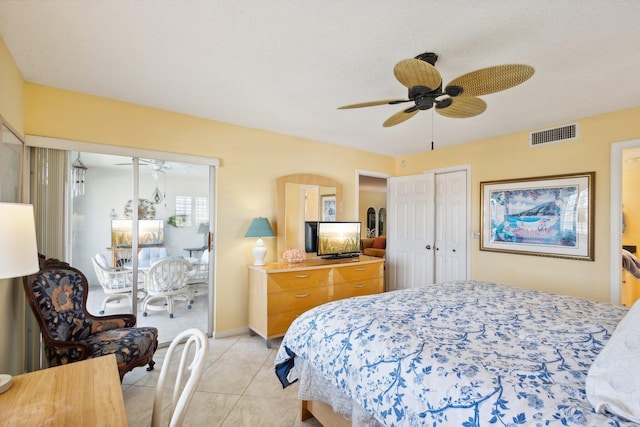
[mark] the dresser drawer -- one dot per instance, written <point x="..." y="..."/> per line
<point x="358" y="272"/>
<point x="357" y="288"/>
<point x="297" y="299"/>
<point x="300" y="279"/>
<point x="280" y="322"/>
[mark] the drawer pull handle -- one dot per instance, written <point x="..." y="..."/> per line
<point x="360" y="269"/>
<point x="301" y="276"/>
<point x="303" y="295"/>
<point x="360" y="286"/>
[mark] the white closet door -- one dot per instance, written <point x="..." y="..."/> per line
<point x="410" y="241"/>
<point x="450" y="226"/>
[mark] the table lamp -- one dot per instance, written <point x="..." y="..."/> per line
<point x="259" y="228"/>
<point x="204" y="230"/>
<point x="18" y="252"/>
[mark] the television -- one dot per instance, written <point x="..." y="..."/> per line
<point x="311" y="236"/>
<point x="338" y="240"/>
<point x="150" y="233"/>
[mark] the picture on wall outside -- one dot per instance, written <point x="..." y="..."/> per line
<point x="544" y="216"/>
<point x="329" y="207"/>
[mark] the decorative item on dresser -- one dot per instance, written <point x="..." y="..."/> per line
<point x="260" y="228"/>
<point x="280" y="292"/>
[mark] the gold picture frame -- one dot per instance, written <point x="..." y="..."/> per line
<point x="550" y="216"/>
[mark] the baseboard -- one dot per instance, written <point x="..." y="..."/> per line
<point x="231" y="332"/>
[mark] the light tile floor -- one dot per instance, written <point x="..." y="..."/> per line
<point x="168" y="328"/>
<point x="238" y="388"/>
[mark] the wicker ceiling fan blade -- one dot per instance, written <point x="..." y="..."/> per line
<point x="400" y="117"/>
<point x="373" y="103"/>
<point x="463" y="107"/>
<point x="491" y="79"/>
<point x="414" y="72"/>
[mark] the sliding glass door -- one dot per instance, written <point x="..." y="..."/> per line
<point x="131" y="214"/>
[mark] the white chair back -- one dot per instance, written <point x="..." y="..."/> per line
<point x="111" y="280"/>
<point x="168" y="276"/>
<point x="116" y="284"/>
<point x="196" y="347"/>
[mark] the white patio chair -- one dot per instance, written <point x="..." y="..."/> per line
<point x="116" y="284"/>
<point x="182" y="395"/>
<point x="166" y="283"/>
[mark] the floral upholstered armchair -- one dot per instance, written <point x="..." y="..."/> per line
<point x="57" y="295"/>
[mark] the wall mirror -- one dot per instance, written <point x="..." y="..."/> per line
<point x="382" y="217"/>
<point x="11" y="151"/>
<point x="371" y="222"/>
<point x="304" y="197"/>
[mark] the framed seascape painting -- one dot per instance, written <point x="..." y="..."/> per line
<point x="544" y="216"/>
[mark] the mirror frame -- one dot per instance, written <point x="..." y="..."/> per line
<point x="303" y="179"/>
<point x="12" y="174"/>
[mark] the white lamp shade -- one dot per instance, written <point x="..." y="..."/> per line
<point x="19" y="250"/>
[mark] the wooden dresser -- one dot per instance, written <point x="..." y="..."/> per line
<point x="280" y="292"/>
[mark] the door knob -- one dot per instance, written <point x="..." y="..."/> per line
<point x="428" y="246"/>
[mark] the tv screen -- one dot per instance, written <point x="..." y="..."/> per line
<point x="338" y="239"/>
<point x="150" y="233"/>
<point x="311" y="236"/>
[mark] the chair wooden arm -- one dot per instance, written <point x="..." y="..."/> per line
<point x="82" y="350"/>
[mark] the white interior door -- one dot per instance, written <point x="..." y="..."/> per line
<point x="451" y="226"/>
<point x="410" y="211"/>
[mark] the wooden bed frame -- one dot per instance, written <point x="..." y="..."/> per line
<point x="323" y="413"/>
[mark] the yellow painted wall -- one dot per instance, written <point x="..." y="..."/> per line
<point x="11" y="90"/>
<point x="508" y="157"/>
<point x="251" y="160"/>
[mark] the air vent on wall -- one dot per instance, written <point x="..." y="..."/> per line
<point x="553" y="135"/>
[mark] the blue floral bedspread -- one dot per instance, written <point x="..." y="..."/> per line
<point x="459" y="354"/>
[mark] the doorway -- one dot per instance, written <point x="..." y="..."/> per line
<point x="172" y="222"/>
<point x="625" y="208"/>
<point x="178" y="189"/>
<point x="371" y="206"/>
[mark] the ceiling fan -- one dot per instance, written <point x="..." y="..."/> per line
<point x="153" y="165"/>
<point x="459" y="99"/>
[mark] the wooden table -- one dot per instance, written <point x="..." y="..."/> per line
<point x="84" y="393"/>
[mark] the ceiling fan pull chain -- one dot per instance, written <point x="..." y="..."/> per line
<point x="432" y="143"/>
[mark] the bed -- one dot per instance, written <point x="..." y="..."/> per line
<point x="466" y="354"/>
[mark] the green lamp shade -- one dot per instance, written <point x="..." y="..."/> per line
<point x="260" y="227"/>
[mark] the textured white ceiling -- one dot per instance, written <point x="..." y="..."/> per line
<point x="285" y="66"/>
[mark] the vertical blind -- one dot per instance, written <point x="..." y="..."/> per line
<point x="49" y="168"/>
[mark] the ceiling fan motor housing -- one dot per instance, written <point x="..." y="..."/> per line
<point x="423" y="96"/>
<point x="429" y="57"/>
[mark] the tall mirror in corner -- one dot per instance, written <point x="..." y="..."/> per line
<point x="301" y="198"/>
<point x="11" y="154"/>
